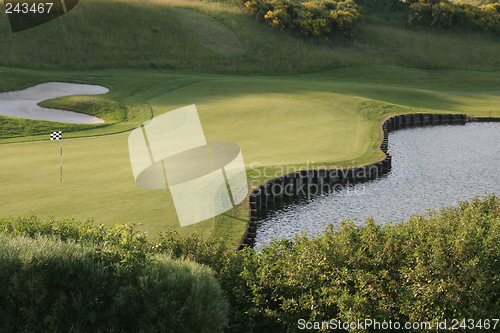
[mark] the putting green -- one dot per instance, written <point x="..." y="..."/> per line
<point x="275" y="121"/>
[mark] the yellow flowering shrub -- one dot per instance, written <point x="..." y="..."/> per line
<point x="443" y="13"/>
<point x="311" y="18"/>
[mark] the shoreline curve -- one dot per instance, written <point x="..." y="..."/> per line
<point x="316" y="181"/>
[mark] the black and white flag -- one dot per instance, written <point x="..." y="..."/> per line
<point x="56" y="135"/>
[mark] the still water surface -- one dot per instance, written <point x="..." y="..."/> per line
<point x="432" y="167"/>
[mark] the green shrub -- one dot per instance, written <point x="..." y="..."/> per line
<point x="173" y="296"/>
<point x="490" y="18"/>
<point x="122" y="240"/>
<point x="232" y="270"/>
<point x="52" y="285"/>
<point x="443" y="266"/>
<point x="281" y="14"/>
<point x="33" y="226"/>
<point x="452" y="262"/>
<point x="311" y="18"/>
<point x="326" y="18"/>
<point x="442" y="13"/>
<point x="62" y="286"/>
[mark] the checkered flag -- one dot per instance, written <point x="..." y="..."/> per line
<point x="56" y="135"/>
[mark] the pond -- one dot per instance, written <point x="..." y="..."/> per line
<point x="432" y="167"/>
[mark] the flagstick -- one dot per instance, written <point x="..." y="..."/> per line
<point x="61" y="160"/>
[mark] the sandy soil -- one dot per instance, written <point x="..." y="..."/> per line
<point x="23" y="103"/>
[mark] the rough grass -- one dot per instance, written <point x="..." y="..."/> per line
<point x="96" y="106"/>
<point x="209" y="31"/>
<point x="99" y="34"/>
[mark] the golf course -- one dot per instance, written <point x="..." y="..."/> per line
<point x="285" y="99"/>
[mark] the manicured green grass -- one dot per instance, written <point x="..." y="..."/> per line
<point x="320" y="102"/>
<point x="330" y="119"/>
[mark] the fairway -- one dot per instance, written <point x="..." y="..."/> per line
<point x="280" y="121"/>
<point x="208" y="166"/>
<point x="313" y="103"/>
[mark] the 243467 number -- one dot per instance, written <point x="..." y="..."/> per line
<point x="26" y="8"/>
<point x="471" y="324"/>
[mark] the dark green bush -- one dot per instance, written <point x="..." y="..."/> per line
<point x="443" y="13"/>
<point x="426" y="269"/>
<point x="52" y="285"/>
<point x="231" y="269"/>
<point x="48" y="285"/>
<point x="173" y="296"/>
<point x="443" y="266"/>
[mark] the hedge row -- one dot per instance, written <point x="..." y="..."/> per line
<point x="327" y="18"/>
<point x="311" y="18"/>
<point x="427" y="269"/>
<point x="47" y="285"/>
<point x="442" y="13"/>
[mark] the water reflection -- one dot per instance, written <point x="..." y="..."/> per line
<point x="432" y="167"/>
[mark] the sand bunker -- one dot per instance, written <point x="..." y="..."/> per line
<point x="23" y="103"/>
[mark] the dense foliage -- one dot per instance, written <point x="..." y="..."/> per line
<point x="311" y="18"/>
<point x="68" y="284"/>
<point x="327" y="18"/>
<point x="443" y="13"/>
<point x="427" y="269"/>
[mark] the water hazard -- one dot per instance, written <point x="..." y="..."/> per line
<point x="432" y="167"/>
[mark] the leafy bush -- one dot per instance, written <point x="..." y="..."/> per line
<point x="173" y="296"/>
<point x="51" y="285"/>
<point x="426" y="269"/>
<point x="231" y="269"/>
<point x="311" y="18"/>
<point x="442" y="13"/>
<point x="490" y="18"/>
<point x="123" y="241"/>
<point x="443" y="266"/>
<point x="56" y="286"/>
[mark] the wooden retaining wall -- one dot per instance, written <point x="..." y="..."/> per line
<point x="306" y="183"/>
